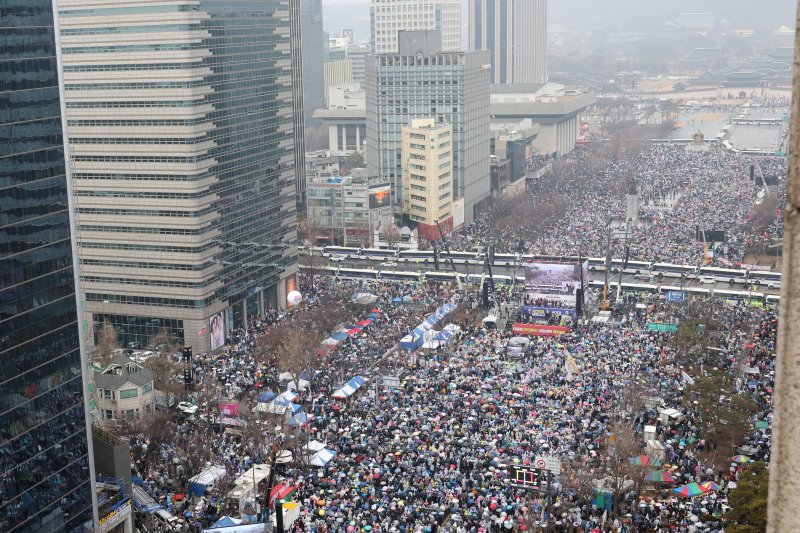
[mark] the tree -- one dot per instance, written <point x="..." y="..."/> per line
<point x="168" y="342"/>
<point x="390" y="234"/>
<point x="722" y="415"/>
<point x="354" y="160"/>
<point x="107" y="342"/>
<point x="165" y="373"/>
<point x="748" y="513"/>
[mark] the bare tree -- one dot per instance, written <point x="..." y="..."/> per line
<point x="165" y="374"/>
<point x="107" y="342"/>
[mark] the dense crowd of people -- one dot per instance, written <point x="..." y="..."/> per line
<point x="434" y="453"/>
<point x="680" y="192"/>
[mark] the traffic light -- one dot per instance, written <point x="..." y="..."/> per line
<point x="187" y="354"/>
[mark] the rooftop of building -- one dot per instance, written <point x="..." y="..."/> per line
<point x="122" y="370"/>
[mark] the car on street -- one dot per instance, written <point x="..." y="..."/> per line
<point x="388" y="264"/>
<point x="706" y="279"/>
<point x="187" y="408"/>
<point x="337" y="258"/>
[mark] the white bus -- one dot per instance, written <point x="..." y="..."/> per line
<point x="639" y="287"/>
<point x="724" y="275"/>
<point x="633" y="267"/>
<point x="343" y="251"/>
<point x="597" y="263"/>
<point x="668" y="270"/>
<point x="773" y="299"/>
<point x="739" y="296"/>
<point x="442" y="276"/>
<point x="506" y="259"/>
<point x="765" y="277"/>
<point x="399" y="276"/>
<point x="357" y="273"/>
<point x="378" y="254"/>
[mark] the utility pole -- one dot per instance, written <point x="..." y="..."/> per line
<point x="624" y="261"/>
<point x="604" y="305"/>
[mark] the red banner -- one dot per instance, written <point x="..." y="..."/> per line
<point x="539" y="330"/>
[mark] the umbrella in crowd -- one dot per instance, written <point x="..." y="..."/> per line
<point x="740" y="459"/>
<point x="639" y="460"/>
<point x="690" y="490"/>
<point x="660" y="476"/>
<point x="710" y="486"/>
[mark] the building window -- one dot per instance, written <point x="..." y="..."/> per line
<point x="128" y="393"/>
<point x="109" y="414"/>
<point x="148" y="387"/>
<point x="129" y="414"/>
<point x="108" y="394"/>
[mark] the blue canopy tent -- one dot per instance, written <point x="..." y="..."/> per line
<point x="339" y="335"/>
<point x="413" y="340"/>
<point x="299" y="419"/>
<point x="349" y="388"/>
<point x="267" y="396"/>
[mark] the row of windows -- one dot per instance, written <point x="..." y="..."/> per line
<point x="136" y="140"/>
<point x="418" y="208"/>
<point x="144" y="122"/>
<point x="143" y="212"/>
<point x="127" y="48"/>
<point x="149" y="282"/>
<point x="146" y="247"/>
<point x="416" y="187"/>
<point x="444" y="186"/>
<point x="446" y="164"/>
<point x="134" y="86"/>
<point x="134" y="66"/>
<point x="417" y="177"/>
<point x="151" y="28"/>
<point x="145" y="264"/>
<point x="444" y="154"/>
<point x="145" y="103"/>
<point x="418" y="198"/>
<point x="138" y="159"/>
<point x="116" y="11"/>
<point x="416" y="146"/>
<point x="444" y="196"/>
<point x="144" y="230"/>
<point x="146" y="194"/>
<point x="416" y="167"/>
<point x="140" y="177"/>
<point x="416" y="136"/>
<point x="444" y="175"/>
<point x="147" y="300"/>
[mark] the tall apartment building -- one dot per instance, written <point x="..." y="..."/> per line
<point x="312" y="51"/>
<point x="298" y="107"/>
<point x="387" y="17"/>
<point x="428" y="177"/>
<point x="45" y="456"/>
<point x="515" y="34"/>
<point x="357" y="54"/>
<point x="183" y="122"/>
<point x="421" y="81"/>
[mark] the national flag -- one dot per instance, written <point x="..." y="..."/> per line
<point x="281" y="492"/>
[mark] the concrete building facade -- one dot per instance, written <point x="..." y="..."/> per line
<point x="515" y="34"/>
<point x="428" y="177"/>
<point x="345" y="116"/>
<point x="387" y="17"/>
<point x="347" y="210"/>
<point x="336" y="72"/>
<point x="421" y="82"/>
<point x="124" y="390"/>
<point x="312" y="52"/>
<point x="185" y="121"/>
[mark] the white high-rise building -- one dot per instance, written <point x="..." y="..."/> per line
<point x="185" y="123"/>
<point x="515" y="34"/>
<point x="387" y="17"/>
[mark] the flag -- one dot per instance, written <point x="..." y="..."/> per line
<point x="687" y="378"/>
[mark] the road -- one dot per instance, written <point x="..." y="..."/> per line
<point x="519" y="270"/>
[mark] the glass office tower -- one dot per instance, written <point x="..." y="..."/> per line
<point x="46" y="480"/>
<point x="185" y="125"/>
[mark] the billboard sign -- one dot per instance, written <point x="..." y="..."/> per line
<point x="538" y="330"/>
<point x="556" y="284"/>
<point x="216" y="324"/>
<point x="379" y="196"/>
<point x="662" y="327"/>
<point x="546" y="312"/>
<point x="677" y="296"/>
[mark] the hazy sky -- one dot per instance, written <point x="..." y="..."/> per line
<point x="614" y="15"/>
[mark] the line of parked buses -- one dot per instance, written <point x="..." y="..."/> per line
<point x="657" y="277"/>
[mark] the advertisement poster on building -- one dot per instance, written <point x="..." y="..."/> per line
<point x="217" y="326"/>
<point x="379" y="196"/>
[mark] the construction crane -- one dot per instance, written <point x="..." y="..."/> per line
<point x="447" y="249"/>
